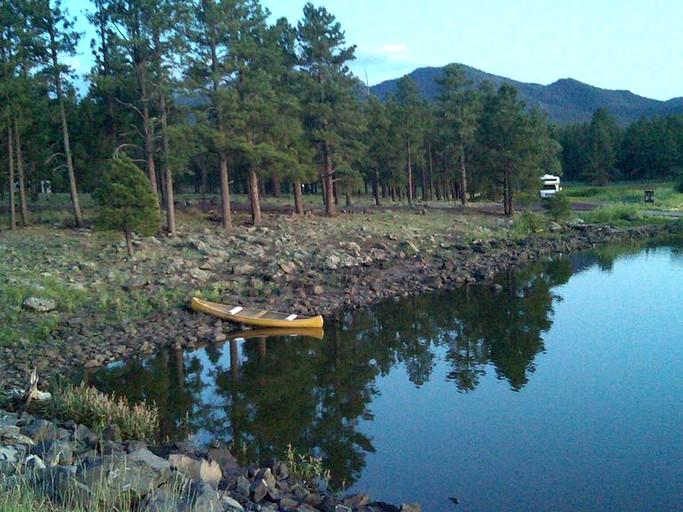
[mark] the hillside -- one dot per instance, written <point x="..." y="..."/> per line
<point x="566" y="101"/>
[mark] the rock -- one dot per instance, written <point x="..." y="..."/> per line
<point x="332" y="262"/>
<point x="288" y="503"/>
<point x="9" y="454"/>
<point x="184" y="465"/>
<point x="242" y="486"/>
<point x="161" y="500"/>
<point x="259" y="490"/>
<point x="200" y="275"/>
<point x="210" y="473"/>
<point x="39" y="430"/>
<point x="231" y="504"/>
<point x="353" y="248"/>
<point x="554" y="227"/>
<point x="287" y="267"/>
<point x="55" y="453"/>
<point x="411" y="507"/>
<point x="380" y="506"/>
<point x="34" y="463"/>
<point x="243" y="269"/>
<point x="207" y="500"/>
<point x="112" y="433"/>
<point x="148" y="458"/>
<point x="357" y="500"/>
<point x="9" y="431"/>
<point x="227" y="462"/>
<point x="39" y="304"/>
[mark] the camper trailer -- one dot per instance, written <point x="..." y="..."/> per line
<point x="550" y="187"/>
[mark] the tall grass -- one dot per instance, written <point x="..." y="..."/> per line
<point x="617" y="214"/>
<point x="98" y="410"/>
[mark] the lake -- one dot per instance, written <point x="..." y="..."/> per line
<point x="560" y="388"/>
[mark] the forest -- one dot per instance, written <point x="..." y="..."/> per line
<point x="214" y="97"/>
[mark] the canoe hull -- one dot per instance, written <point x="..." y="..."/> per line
<point x="255" y="317"/>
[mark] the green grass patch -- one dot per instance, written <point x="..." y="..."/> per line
<point x="623" y="192"/>
<point x="618" y="214"/>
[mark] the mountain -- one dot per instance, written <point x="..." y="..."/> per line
<point x="566" y="101"/>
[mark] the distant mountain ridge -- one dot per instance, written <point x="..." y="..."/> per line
<point x="566" y="101"/>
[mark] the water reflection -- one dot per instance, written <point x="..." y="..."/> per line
<point x="263" y="393"/>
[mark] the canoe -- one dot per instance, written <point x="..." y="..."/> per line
<point x="254" y="316"/>
<point x="308" y="332"/>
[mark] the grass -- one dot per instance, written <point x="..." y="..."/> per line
<point x="84" y="273"/>
<point x="31" y="491"/>
<point x="665" y="196"/>
<point x="98" y="410"/>
<point x="306" y="467"/>
<point x="617" y="214"/>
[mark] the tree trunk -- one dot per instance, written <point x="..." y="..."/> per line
<point x="410" y="172"/>
<point x="168" y="173"/>
<point x="12" y="199"/>
<point x="148" y="128"/>
<point x="165" y="141"/>
<point x="377" y="188"/>
<point x="328" y="184"/>
<point x="431" y="174"/>
<point x="225" y="192"/>
<point x="463" y="179"/>
<point x="23" y="207"/>
<point x="129" y="242"/>
<point x="424" y="183"/>
<point x="73" y="191"/>
<point x="277" y="192"/>
<point x="507" y="191"/>
<point x="298" y="198"/>
<point x="254" y="199"/>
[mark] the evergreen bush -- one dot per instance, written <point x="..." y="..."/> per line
<point x="558" y="206"/>
<point x="127" y="202"/>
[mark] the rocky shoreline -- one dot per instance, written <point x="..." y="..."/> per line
<point x="351" y="273"/>
<point x="70" y="464"/>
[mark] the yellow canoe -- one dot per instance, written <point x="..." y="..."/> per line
<point x="254" y="316"/>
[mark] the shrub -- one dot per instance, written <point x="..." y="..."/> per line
<point x="529" y="223"/>
<point x="96" y="410"/>
<point x="558" y="206"/>
<point x="306" y="467"/>
<point x="127" y="202"/>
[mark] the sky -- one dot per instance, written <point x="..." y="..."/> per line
<point x="630" y="45"/>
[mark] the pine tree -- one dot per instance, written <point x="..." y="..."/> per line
<point x="209" y="71"/>
<point x="603" y="139"/>
<point x="59" y="39"/>
<point x="507" y="143"/>
<point x="127" y="202"/>
<point x="408" y="110"/>
<point x="329" y="92"/>
<point x="458" y="112"/>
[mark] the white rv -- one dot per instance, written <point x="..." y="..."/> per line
<point x="551" y="186"/>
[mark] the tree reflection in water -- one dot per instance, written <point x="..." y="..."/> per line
<point x="262" y="394"/>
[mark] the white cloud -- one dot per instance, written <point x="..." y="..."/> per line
<point x="394" y="48"/>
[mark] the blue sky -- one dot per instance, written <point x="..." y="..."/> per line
<point x="612" y="44"/>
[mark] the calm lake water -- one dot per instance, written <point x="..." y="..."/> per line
<point x="563" y="391"/>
